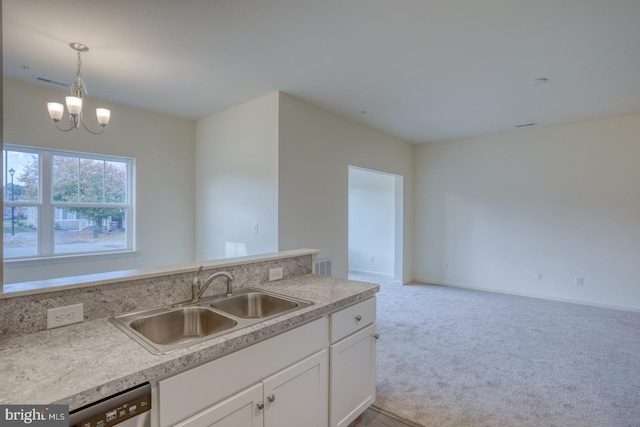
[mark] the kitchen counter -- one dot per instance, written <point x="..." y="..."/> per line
<point x="85" y="362"/>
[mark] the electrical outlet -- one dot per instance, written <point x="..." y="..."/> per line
<point x="61" y="316"/>
<point x="538" y="276"/>
<point x="579" y="281"/>
<point x="276" y="274"/>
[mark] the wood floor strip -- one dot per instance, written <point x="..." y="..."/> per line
<point x="374" y="417"/>
<point x="395" y="417"/>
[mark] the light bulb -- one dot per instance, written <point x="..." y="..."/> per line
<point x="103" y="116"/>
<point x="74" y="105"/>
<point x="55" y="111"/>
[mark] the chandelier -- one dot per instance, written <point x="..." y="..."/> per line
<point x="74" y="102"/>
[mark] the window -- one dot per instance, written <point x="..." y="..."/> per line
<point x="61" y="203"/>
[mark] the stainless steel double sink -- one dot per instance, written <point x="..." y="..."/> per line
<point x="165" y="329"/>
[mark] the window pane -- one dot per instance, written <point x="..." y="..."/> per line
<point x="23" y="183"/>
<point x="20" y="233"/>
<point x="115" y="182"/>
<point x="65" y="179"/>
<point x="89" y="229"/>
<point x="91" y="180"/>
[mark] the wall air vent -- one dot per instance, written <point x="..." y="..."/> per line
<point x="323" y="267"/>
<point x="526" y="125"/>
<point x="50" y="81"/>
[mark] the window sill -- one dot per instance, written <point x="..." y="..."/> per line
<point x="13" y="268"/>
<point x="62" y="259"/>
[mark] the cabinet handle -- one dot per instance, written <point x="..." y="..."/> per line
<point x="271" y="398"/>
<point x="260" y="405"/>
<point x="358" y="318"/>
<point x="376" y="336"/>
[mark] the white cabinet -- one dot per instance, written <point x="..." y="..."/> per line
<point x="291" y="398"/>
<point x="293" y="363"/>
<point x="297" y="396"/>
<point x="353" y="362"/>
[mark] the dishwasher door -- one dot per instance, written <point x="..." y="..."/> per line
<point x="130" y="408"/>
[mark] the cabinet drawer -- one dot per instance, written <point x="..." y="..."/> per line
<point x="352" y="319"/>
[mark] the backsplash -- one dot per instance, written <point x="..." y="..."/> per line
<point x="28" y="313"/>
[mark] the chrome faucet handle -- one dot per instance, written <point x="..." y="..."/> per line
<point x="195" y="284"/>
<point x="195" y="289"/>
<point x="196" y="278"/>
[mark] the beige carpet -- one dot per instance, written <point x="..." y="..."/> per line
<point x="453" y="357"/>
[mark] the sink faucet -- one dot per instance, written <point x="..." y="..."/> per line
<point x="197" y="291"/>
<point x="213" y="277"/>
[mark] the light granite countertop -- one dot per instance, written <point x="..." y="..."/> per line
<point x="85" y="362"/>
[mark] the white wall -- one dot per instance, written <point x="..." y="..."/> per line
<point x="1" y="128"/>
<point x="237" y="181"/>
<point x="316" y="149"/>
<point x="371" y="221"/>
<point x="492" y="212"/>
<point x="164" y="149"/>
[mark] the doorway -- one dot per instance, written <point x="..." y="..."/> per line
<point x="375" y="225"/>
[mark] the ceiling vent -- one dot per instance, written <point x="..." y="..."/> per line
<point x="525" y="125"/>
<point x="50" y="81"/>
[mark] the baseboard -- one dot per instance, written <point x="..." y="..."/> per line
<point x="523" y="294"/>
<point x="376" y="273"/>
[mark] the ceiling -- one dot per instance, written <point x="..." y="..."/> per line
<point x="422" y="70"/>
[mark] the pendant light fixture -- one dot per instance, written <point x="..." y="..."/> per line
<point x="74" y="102"/>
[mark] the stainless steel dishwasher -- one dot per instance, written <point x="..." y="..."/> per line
<point x="129" y="408"/>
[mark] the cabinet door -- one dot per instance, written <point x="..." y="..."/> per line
<point x="240" y="410"/>
<point x="297" y="396"/>
<point x="353" y="376"/>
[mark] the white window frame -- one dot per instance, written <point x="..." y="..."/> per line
<point x="46" y="206"/>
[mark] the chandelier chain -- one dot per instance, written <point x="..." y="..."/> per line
<point x="78" y="87"/>
<point x="79" y="66"/>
